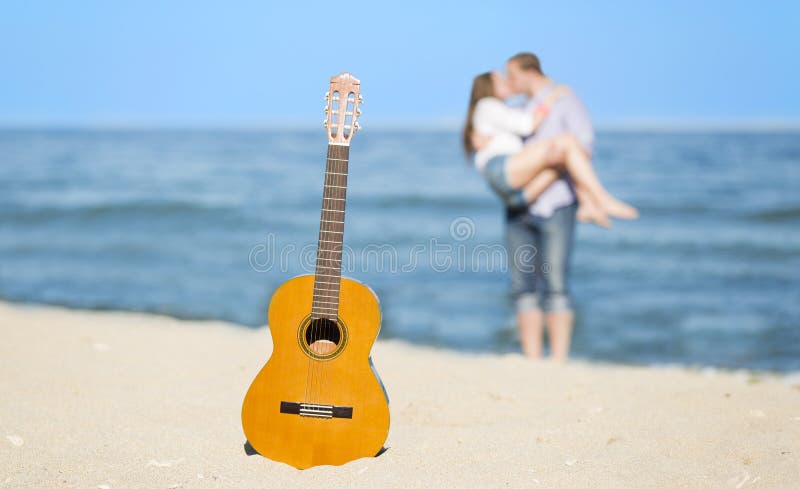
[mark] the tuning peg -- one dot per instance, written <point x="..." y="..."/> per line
<point x="327" y="96"/>
<point x="358" y="112"/>
<point x="360" y="99"/>
<point x="356" y="126"/>
<point x="325" y="123"/>
<point x="327" y="109"/>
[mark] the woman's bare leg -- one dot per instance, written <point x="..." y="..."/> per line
<point x="539" y="184"/>
<point x="522" y="167"/>
<point x="588" y="211"/>
<point x="580" y="169"/>
<point x="536" y="156"/>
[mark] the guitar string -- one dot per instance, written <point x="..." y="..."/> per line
<point x="340" y="190"/>
<point x="343" y="161"/>
<point x="323" y="252"/>
<point x="316" y="314"/>
<point x="335" y="262"/>
<point x="335" y="225"/>
<point x="326" y="255"/>
<point x="321" y="256"/>
<point x="316" y="372"/>
<point x="309" y="336"/>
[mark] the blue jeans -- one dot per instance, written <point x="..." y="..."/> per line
<point x="539" y="250"/>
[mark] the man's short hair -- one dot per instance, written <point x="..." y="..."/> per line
<point x="528" y="62"/>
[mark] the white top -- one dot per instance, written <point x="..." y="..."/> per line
<point x="506" y="125"/>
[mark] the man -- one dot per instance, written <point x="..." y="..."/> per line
<point x="539" y="282"/>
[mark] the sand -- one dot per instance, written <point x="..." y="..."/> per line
<point x="117" y="400"/>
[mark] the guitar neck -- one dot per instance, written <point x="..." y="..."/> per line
<point x="331" y="231"/>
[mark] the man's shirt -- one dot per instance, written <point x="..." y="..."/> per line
<point x="567" y="115"/>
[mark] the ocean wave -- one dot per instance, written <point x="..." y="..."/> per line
<point x="787" y="214"/>
<point x="429" y="202"/>
<point x="122" y="210"/>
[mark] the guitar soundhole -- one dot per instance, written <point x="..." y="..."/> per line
<point x="322" y="338"/>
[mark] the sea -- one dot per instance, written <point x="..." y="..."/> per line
<point x="207" y="223"/>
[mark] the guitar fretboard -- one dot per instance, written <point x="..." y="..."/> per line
<point x="331" y="230"/>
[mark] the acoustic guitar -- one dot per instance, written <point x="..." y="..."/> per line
<point x="318" y="400"/>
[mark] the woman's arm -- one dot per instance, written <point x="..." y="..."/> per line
<point x="492" y="112"/>
<point x="495" y="113"/>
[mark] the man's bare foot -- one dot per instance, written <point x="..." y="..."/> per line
<point x="591" y="214"/>
<point x="619" y="209"/>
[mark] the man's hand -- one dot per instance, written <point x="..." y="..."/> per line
<point x="479" y="141"/>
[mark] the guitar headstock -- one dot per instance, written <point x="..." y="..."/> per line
<point x="343" y="108"/>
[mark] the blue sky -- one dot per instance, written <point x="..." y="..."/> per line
<point x="264" y="62"/>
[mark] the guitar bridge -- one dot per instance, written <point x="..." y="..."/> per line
<point x="316" y="410"/>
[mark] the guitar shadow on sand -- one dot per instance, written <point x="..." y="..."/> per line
<point x="249" y="450"/>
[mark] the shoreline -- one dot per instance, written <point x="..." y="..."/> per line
<point x="791" y="376"/>
<point x="121" y="399"/>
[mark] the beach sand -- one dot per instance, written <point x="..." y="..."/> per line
<point x="112" y="400"/>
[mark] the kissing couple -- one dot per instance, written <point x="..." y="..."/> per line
<point x="538" y="160"/>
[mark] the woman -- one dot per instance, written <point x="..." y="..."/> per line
<point x="520" y="173"/>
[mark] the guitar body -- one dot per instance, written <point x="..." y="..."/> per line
<point x="317" y="369"/>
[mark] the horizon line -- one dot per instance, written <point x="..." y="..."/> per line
<point x="442" y="124"/>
